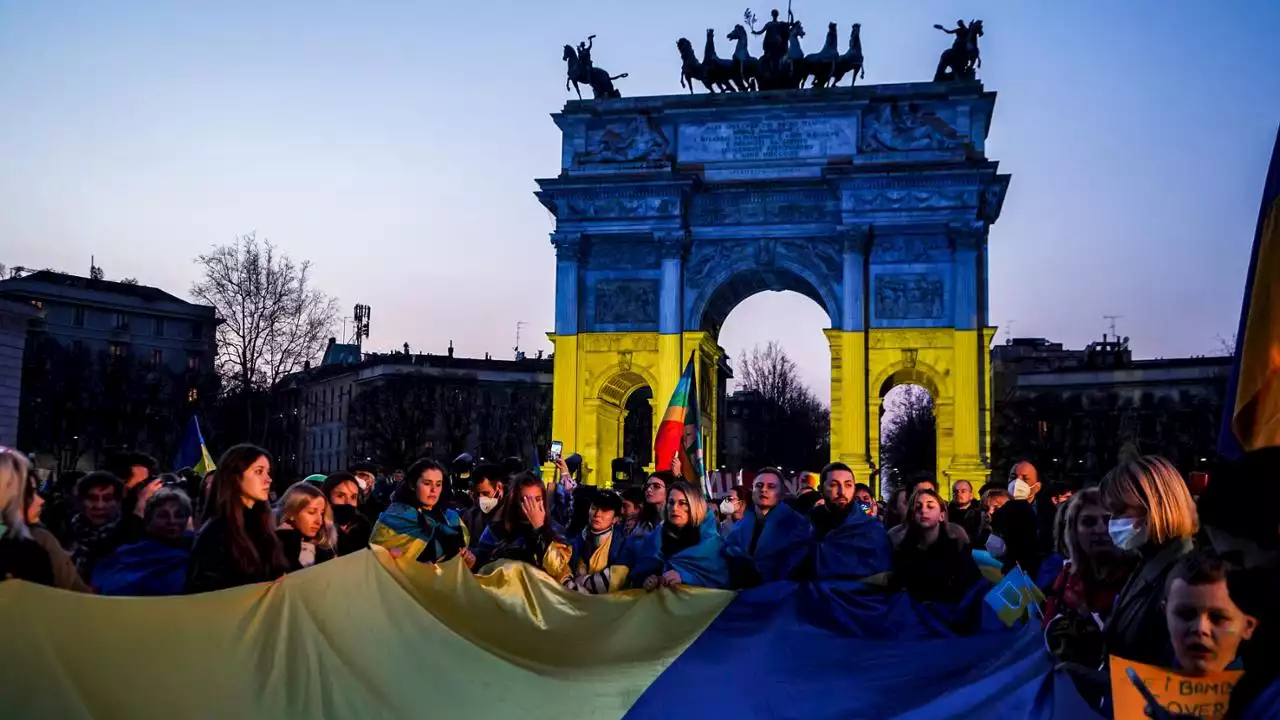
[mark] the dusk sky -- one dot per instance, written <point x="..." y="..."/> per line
<point x="395" y="144"/>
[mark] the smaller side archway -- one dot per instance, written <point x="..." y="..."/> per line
<point x="910" y="372"/>
<point x="622" y="407"/>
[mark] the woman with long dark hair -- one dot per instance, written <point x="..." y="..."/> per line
<point x="526" y="533"/>
<point x="933" y="563"/>
<point x="418" y="521"/>
<point x="238" y="543"/>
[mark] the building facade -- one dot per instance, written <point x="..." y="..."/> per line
<point x="14" y="320"/>
<point x="109" y="364"/>
<point x="393" y="408"/>
<point x="1076" y="413"/>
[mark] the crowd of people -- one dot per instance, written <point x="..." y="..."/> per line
<point x="1133" y="566"/>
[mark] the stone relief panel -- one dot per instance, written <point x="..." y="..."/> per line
<point x="626" y="302"/>
<point x="764" y="207"/>
<point x="618" y="343"/>
<point x="767" y="139"/>
<point x="620" y="206"/>
<point x="622" y="255"/>
<point x="631" y="140"/>
<point x="912" y="199"/>
<point x="906" y="127"/>
<point x="810" y="266"/>
<point x="911" y="249"/>
<point x="910" y="296"/>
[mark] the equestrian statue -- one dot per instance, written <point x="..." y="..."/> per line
<point x="962" y="59"/>
<point x="581" y="70"/>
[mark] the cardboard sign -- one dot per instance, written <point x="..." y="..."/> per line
<point x="1204" y="697"/>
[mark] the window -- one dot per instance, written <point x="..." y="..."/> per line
<point x="193" y="362"/>
<point x="76" y="346"/>
<point x="121" y="321"/>
<point x="197" y="331"/>
<point x="193" y="395"/>
<point x="157" y="327"/>
<point x="78" y="320"/>
<point x="157" y="359"/>
<point x="115" y="350"/>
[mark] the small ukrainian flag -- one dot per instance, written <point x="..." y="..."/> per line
<point x="1014" y="596"/>
<point x="192" y="452"/>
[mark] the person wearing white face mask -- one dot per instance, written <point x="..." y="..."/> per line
<point x="488" y="491"/>
<point x="1015" y="527"/>
<point x="732" y="507"/>
<point x="1152" y="513"/>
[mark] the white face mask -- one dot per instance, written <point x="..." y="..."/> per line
<point x="1019" y="489"/>
<point x="726" y="507"/>
<point x="487" y="504"/>
<point x="1126" y="533"/>
<point x="995" y="546"/>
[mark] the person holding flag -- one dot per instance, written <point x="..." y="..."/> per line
<point x="677" y="448"/>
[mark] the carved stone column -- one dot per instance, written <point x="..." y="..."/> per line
<point x="969" y="363"/>
<point x="856" y="244"/>
<point x="849" y="438"/>
<point x="568" y="253"/>
<point x="567" y="400"/>
<point x="673" y="245"/>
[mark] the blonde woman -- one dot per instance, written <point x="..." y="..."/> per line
<point x="21" y="558"/>
<point x="1153" y="515"/>
<point x="304" y="524"/>
<point x="686" y="549"/>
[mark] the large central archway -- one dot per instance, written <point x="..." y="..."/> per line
<point x="875" y="202"/>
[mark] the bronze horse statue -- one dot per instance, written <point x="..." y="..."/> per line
<point x="746" y="68"/>
<point x="692" y="69"/>
<point x="822" y="64"/>
<point x="718" y="70"/>
<point x="600" y="81"/>
<point x="851" y="62"/>
<point x="961" y="60"/>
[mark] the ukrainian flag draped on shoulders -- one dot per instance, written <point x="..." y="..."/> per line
<point x="1251" y="420"/>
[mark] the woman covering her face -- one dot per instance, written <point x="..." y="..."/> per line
<point x="526" y="533"/>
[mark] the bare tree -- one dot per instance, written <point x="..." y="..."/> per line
<point x="272" y="319"/>
<point x="908" y="434"/>
<point x="792" y="427"/>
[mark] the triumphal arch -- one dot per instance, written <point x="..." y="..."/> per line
<point x="873" y="201"/>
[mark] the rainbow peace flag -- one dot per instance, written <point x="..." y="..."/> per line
<point x="678" y="433"/>
<point x="1251" y="418"/>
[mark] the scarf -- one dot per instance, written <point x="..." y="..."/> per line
<point x="440" y="531"/>
<point x="87" y="541"/>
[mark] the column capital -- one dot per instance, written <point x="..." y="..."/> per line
<point x="673" y="244"/>
<point x="968" y="236"/>
<point x="568" y="245"/>
<point x="855" y="238"/>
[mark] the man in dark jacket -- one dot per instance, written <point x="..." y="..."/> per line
<point x="964" y="510"/>
<point x="1016" y="523"/>
<point x="488" y="490"/>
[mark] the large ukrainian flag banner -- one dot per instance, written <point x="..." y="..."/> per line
<point x="369" y="636"/>
<point x="1252" y="417"/>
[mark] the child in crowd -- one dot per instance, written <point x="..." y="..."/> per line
<point x="1205" y="625"/>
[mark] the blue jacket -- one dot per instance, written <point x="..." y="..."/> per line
<point x="784" y="543"/>
<point x="702" y="564"/>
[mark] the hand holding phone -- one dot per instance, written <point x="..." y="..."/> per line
<point x="557" y="449"/>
